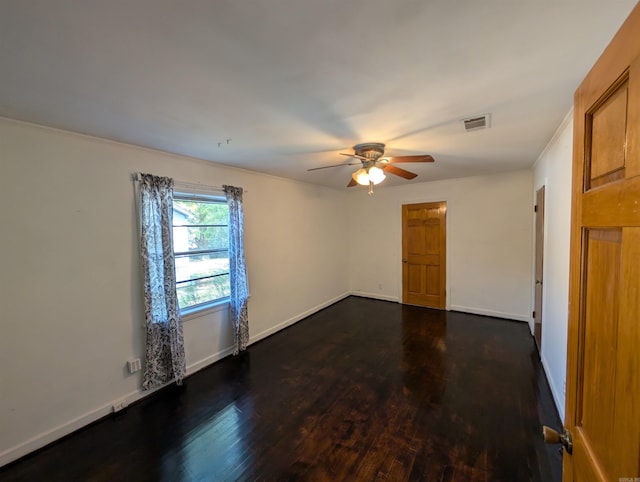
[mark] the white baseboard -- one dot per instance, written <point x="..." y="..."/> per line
<point x="49" y="436"/>
<point x="66" y="428"/>
<point x="375" y="296"/>
<point x="496" y="314"/>
<point x="554" y="390"/>
<point x="60" y="431"/>
<point x="295" y="319"/>
<point x="465" y="309"/>
<point x="205" y="362"/>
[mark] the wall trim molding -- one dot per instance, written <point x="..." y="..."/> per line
<point x="554" y="390"/>
<point x="364" y="294"/>
<point x="495" y="314"/>
<point x="138" y="147"/>
<point x="294" y="319"/>
<point x="464" y="309"/>
<point x="567" y="118"/>
<point x="45" y="438"/>
<point x="50" y="436"/>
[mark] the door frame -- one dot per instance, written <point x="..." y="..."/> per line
<point x="539" y="249"/>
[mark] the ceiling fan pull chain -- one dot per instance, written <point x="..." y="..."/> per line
<point x="370" y="188"/>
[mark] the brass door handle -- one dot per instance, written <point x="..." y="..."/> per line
<point x="552" y="437"/>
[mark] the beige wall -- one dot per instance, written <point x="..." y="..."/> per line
<point x="489" y="244"/>
<point x="70" y="282"/>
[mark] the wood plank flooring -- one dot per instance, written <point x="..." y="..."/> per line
<point x="364" y="390"/>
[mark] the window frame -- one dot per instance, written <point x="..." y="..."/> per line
<point x="217" y="304"/>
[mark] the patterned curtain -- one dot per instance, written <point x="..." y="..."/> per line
<point x="165" y="360"/>
<point x="237" y="270"/>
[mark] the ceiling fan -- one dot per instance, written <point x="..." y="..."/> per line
<point x="375" y="164"/>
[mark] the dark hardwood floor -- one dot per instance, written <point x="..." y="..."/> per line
<point x="363" y="390"/>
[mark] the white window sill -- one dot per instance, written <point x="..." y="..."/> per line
<point x="200" y="311"/>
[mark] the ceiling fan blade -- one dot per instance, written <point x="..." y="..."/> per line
<point x="352" y="183"/>
<point x="399" y="172"/>
<point x="354" y="155"/>
<point x="420" y="158"/>
<point x="334" y="165"/>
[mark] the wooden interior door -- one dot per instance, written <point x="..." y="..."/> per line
<point x="424" y="254"/>
<point x="537" y="306"/>
<point x="603" y="358"/>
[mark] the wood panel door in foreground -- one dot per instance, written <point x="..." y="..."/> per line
<point x="424" y="254"/>
<point x="603" y="357"/>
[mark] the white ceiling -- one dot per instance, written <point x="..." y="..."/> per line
<point x="292" y="83"/>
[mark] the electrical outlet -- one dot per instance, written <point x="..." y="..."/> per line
<point x="121" y="405"/>
<point x="134" y="365"/>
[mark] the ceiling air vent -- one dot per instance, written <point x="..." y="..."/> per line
<point x="477" y="123"/>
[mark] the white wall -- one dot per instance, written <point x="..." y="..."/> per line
<point x="553" y="170"/>
<point x="489" y="241"/>
<point x="70" y="282"/>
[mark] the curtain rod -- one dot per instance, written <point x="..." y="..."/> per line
<point x="191" y="185"/>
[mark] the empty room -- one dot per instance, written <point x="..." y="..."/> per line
<point x="320" y="241"/>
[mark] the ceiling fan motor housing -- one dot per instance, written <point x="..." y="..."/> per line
<point x="370" y="150"/>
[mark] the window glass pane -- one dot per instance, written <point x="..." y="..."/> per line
<point x="198" y="238"/>
<point x="200" y="212"/>
<point x="200" y="265"/>
<point x="192" y="293"/>
<point x="201" y="225"/>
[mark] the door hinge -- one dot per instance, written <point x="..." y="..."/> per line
<point x="535" y="208"/>
<point x="533" y="314"/>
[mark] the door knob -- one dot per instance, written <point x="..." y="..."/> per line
<point x="405" y="261"/>
<point x="552" y="437"/>
<point x="538" y="282"/>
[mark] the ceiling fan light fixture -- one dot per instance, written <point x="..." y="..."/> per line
<point x="376" y="175"/>
<point x="361" y="176"/>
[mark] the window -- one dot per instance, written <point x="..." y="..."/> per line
<point x="201" y="247"/>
